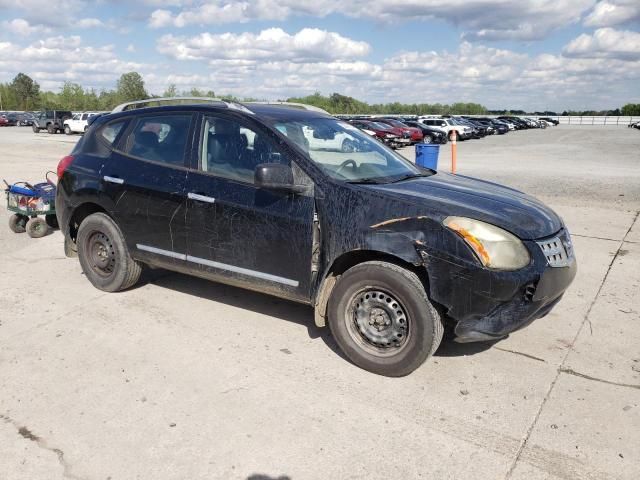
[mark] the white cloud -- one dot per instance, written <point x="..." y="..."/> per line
<point x="480" y="19"/>
<point x="20" y="26"/>
<point x="89" y="23"/>
<point x="54" y="60"/>
<point x="273" y="44"/>
<point x="491" y="76"/>
<point x="606" y="43"/>
<point x="610" y="13"/>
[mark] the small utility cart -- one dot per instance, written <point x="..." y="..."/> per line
<point x="27" y="202"/>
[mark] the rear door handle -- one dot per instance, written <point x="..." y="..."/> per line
<point x="117" y="180"/>
<point x="200" y="198"/>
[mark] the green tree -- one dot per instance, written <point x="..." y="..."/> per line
<point x="171" y="91"/>
<point x="631" y="110"/>
<point x="26" y="90"/>
<point x="131" y="87"/>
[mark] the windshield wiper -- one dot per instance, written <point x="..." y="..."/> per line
<point x="408" y="176"/>
<point x="370" y="180"/>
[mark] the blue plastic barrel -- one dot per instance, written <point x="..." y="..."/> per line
<point x="427" y="155"/>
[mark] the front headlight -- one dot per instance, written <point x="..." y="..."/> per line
<point x="495" y="248"/>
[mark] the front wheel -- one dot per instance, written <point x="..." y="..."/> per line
<point x="427" y="139"/>
<point x="104" y="256"/>
<point x="36" y="227"/>
<point x="67" y="130"/>
<point x="382" y="319"/>
<point x="35" y="129"/>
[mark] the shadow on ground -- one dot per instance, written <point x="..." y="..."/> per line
<point x="278" y="308"/>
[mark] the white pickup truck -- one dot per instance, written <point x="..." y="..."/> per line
<point x="77" y="123"/>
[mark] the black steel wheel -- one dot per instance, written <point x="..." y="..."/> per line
<point x="378" y="322"/>
<point x="382" y="319"/>
<point x="104" y="256"/>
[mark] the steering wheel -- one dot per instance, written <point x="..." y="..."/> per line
<point x="345" y="163"/>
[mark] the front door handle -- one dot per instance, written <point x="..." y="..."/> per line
<point x="201" y="198"/>
<point x="109" y="179"/>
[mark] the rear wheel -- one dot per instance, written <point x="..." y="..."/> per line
<point x="52" y="221"/>
<point x="17" y="223"/>
<point x="381" y="318"/>
<point x="36" y="227"/>
<point x="51" y="129"/>
<point x="104" y="256"/>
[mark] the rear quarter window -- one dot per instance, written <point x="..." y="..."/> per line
<point x="101" y="141"/>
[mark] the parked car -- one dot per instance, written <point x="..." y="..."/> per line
<point x="26" y="119"/>
<point x="12" y="119"/>
<point x="429" y="134"/>
<point x="78" y="123"/>
<point x="463" y="132"/>
<point x="385" y="133"/>
<point x="415" y="134"/>
<point x="550" y="120"/>
<point x="51" y="120"/>
<point x="386" y="252"/>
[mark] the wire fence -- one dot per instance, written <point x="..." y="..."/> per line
<point x="592" y="120"/>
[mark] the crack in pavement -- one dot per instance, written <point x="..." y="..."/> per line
<point x="29" y="435"/>
<point x="520" y="353"/>
<point x="527" y="435"/>
<point x="570" y="371"/>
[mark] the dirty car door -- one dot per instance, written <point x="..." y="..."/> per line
<point x="145" y="179"/>
<point x="241" y="234"/>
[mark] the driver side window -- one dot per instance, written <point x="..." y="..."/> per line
<point x="231" y="150"/>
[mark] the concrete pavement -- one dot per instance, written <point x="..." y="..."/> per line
<point x="181" y="378"/>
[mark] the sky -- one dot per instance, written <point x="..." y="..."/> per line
<point x="532" y="54"/>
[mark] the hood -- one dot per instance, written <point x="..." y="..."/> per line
<point x="446" y="194"/>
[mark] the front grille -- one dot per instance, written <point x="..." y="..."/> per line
<point x="557" y="250"/>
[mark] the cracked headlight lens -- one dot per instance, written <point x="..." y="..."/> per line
<point x="495" y="248"/>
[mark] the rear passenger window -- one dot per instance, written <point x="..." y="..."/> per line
<point x="160" y="139"/>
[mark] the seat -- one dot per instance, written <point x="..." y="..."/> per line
<point x="145" y="145"/>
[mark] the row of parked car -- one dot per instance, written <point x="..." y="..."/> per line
<point x="400" y="132"/>
<point x="53" y="121"/>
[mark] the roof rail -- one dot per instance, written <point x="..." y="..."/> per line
<point x="184" y="100"/>
<point x="303" y="106"/>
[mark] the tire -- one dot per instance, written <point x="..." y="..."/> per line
<point x="17" y="223"/>
<point x="347" y="146"/>
<point x="104" y="256"/>
<point x="37" y="227"/>
<point x="67" y="130"/>
<point x="51" y="129"/>
<point x="427" y="139"/>
<point x="52" y="221"/>
<point x="35" y="129"/>
<point x="406" y="328"/>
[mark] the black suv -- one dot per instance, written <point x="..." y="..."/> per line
<point x="51" y="120"/>
<point x="261" y="196"/>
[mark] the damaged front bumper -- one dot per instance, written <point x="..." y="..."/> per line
<point x="488" y="305"/>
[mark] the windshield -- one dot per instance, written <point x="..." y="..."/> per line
<point x="346" y="153"/>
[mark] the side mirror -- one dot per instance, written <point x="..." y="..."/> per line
<point x="275" y="176"/>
